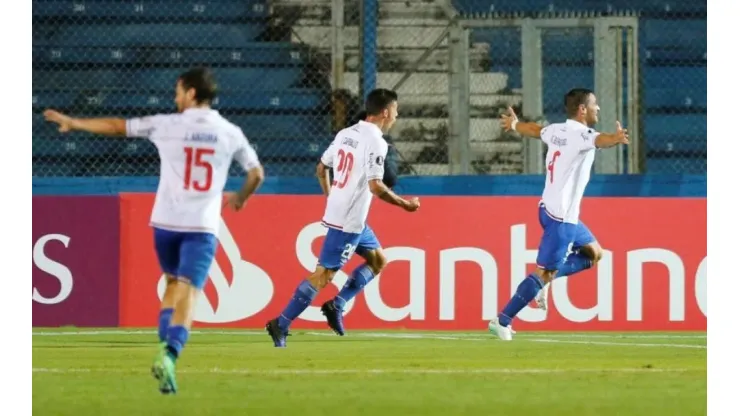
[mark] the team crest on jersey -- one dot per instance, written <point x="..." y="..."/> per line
<point x="379" y="160"/>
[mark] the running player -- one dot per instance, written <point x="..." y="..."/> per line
<point x="356" y="156"/>
<point x="196" y="148"/>
<point x="567" y="245"/>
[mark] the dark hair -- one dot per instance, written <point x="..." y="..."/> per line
<point x="361" y="116"/>
<point x="575" y="98"/>
<point x="378" y="100"/>
<point x="202" y="81"/>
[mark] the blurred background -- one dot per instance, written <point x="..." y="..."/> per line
<point x="293" y="72"/>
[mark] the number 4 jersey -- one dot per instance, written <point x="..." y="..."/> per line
<point x="356" y="156"/>
<point x="195" y="148"/>
<point x="570" y="155"/>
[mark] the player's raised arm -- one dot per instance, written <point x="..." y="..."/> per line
<point x="605" y="140"/>
<point x="104" y="126"/>
<point x="509" y="121"/>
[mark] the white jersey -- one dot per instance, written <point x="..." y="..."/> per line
<point x="570" y="155"/>
<point x="356" y="155"/>
<point x="196" y="148"/>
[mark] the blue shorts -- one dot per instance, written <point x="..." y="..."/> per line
<point x="558" y="239"/>
<point x="185" y="255"/>
<point x="339" y="246"/>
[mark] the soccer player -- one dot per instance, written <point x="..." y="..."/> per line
<point x="196" y="148"/>
<point x="567" y="245"/>
<point x="356" y="156"/>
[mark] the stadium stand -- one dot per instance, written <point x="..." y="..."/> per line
<point x="111" y="57"/>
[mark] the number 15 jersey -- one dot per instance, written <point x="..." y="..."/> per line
<point x="196" y="148"/>
<point x="356" y="156"/>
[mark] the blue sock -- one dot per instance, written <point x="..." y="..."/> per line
<point x="177" y="336"/>
<point x="302" y="297"/>
<point x="575" y="263"/>
<point x="361" y="276"/>
<point x="525" y="292"/>
<point x="164" y="322"/>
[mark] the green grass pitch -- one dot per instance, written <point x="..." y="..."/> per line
<point x="106" y="372"/>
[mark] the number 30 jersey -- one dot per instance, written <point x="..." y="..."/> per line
<point x="570" y="156"/>
<point x="356" y="156"/>
<point x="196" y="148"/>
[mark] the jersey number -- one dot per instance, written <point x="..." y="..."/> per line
<point x="551" y="165"/>
<point x="346" y="161"/>
<point x="194" y="157"/>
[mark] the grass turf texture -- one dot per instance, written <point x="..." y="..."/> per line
<point x="88" y="372"/>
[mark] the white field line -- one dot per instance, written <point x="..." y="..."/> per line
<point x="528" y="339"/>
<point x="564" y="338"/>
<point x="422" y="335"/>
<point x="378" y="371"/>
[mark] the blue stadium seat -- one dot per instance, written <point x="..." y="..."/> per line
<point x="280" y="100"/>
<point x="686" y="77"/>
<point x="148" y="35"/>
<point x="559" y="45"/>
<point x="119" y="168"/>
<point x="651" y="6"/>
<point x="675" y="55"/>
<point x="203" y="9"/>
<point x="663" y="6"/>
<point x="254" y="126"/>
<point x="53" y="168"/>
<point x="567" y="45"/>
<point x="672" y="165"/>
<point x="53" y="99"/>
<point x="671" y="42"/>
<point x="229" y="79"/>
<point x="275" y="149"/>
<point x="677" y="97"/>
<point x="70" y="146"/>
<point x="290" y="168"/>
<point x="282" y="126"/>
<point x="132" y="147"/>
<point x="685" y="133"/>
<point x="529" y="6"/>
<point x="689" y="34"/>
<point x="489" y="6"/>
<point x="268" y="100"/>
<point x="252" y="53"/>
<point x="310" y="148"/>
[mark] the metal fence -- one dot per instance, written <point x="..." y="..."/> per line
<point x="291" y="73"/>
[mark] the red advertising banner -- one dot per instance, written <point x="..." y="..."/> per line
<point x="75" y="260"/>
<point x="452" y="265"/>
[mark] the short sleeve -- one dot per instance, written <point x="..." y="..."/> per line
<point x="144" y="127"/>
<point x="375" y="164"/>
<point x="245" y="154"/>
<point x="327" y="158"/>
<point x="588" y="139"/>
<point x="545" y="133"/>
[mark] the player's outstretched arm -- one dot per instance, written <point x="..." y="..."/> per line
<point x="379" y="189"/>
<point x="509" y="121"/>
<point x="605" y="140"/>
<point x="322" y="174"/>
<point x="105" y="126"/>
